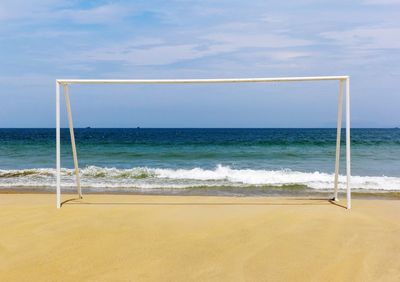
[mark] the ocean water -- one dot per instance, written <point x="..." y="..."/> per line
<point x="224" y="161"/>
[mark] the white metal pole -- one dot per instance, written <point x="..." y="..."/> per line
<point x="338" y="133"/>
<point x="348" y="160"/>
<point x="58" y="151"/>
<point x="71" y="132"/>
<point x="206" y="80"/>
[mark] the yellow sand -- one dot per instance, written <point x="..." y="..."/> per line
<point x="165" y="238"/>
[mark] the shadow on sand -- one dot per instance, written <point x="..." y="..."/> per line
<point x="289" y="202"/>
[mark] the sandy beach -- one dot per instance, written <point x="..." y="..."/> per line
<point x="172" y="238"/>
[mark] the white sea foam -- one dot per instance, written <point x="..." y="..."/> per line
<point x="149" y="178"/>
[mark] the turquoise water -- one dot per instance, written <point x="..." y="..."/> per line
<point x="132" y="159"/>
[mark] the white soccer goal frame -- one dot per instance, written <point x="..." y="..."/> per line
<point x="344" y="81"/>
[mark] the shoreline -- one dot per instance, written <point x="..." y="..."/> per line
<point x="215" y="192"/>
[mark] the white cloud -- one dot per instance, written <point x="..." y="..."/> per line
<point x="382" y="2"/>
<point x="156" y="52"/>
<point x="276" y="59"/>
<point x="28" y="9"/>
<point x="288" y="55"/>
<point x="370" y="38"/>
<point x="232" y="37"/>
<point x="149" y="54"/>
<point x="159" y="55"/>
<point x="53" y="10"/>
<point x="239" y="40"/>
<point x="98" y="15"/>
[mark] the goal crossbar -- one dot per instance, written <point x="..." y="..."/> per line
<point x="344" y="87"/>
<point x="207" y="80"/>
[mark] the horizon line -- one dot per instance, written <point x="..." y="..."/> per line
<point x="139" y="127"/>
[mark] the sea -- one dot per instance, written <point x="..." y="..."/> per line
<point x="201" y="161"/>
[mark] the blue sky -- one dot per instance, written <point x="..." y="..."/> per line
<point x="48" y="39"/>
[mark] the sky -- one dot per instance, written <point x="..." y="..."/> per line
<point x="41" y="41"/>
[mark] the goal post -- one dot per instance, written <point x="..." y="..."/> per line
<point x="344" y="87"/>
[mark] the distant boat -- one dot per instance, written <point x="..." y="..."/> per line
<point x="88" y="127"/>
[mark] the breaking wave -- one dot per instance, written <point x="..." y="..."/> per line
<point x="148" y="178"/>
